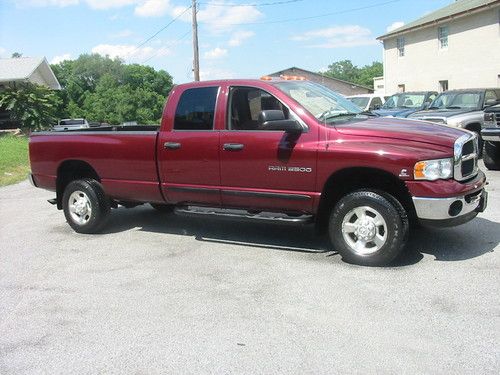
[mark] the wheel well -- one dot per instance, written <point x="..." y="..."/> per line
<point x="71" y="170"/>
<point x="348" y="180"/>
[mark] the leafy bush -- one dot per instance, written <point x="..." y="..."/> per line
<point x="33" y="106"/>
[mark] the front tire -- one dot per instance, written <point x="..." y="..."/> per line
<point x="368" y="228"/>
<point x="86" y="206"/>
<point x="491" y="155"/>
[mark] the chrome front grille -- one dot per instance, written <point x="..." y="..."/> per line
<point x="466" y="153"/>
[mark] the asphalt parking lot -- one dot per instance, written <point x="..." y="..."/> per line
<point x="161" y="294"/>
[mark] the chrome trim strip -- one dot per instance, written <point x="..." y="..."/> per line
<point x="262" y="194"/>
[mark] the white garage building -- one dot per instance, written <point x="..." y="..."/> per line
<point x="455" y="47"/>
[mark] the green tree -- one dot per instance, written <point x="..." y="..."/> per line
<point x="107" y="90"/>
<point x="34" y="106"/>
<point x="347" y="71"/>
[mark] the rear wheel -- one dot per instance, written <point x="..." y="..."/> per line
<point x="85" y="206"/>
<point x="491" y="155"/>
<point x="368" y="228"/>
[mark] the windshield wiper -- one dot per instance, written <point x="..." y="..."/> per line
<point x="369" y="113"/>
<point x="434" y="107"/>
<point x="454" y="107"/>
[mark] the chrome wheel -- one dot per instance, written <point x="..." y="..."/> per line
<point x="364" y="230"/>
<point x="80" y="207"/>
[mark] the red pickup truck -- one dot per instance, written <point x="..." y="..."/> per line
<point x="284" y="150"/>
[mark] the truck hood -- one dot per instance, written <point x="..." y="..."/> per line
<point x="395" y="112"/>
<point x="443" y="113"/>
<point x="403" y="129"/>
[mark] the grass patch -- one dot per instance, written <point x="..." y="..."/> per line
<point x="14" y="161"/>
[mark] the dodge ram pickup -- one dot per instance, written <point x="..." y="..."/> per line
<point x="284" y="150"/>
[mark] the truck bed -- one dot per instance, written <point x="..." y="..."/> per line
<point x="123" y="156"/>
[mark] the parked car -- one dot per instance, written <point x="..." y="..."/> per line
<point x="460" y="108"/>
<point x="491" y="137"/>
<point x="285" y="151"/>
<point x="367" y="102"/>
<point x="74" y="124"/>
<point x="405" y="103"/>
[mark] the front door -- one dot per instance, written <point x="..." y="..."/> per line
<point x="265" y="169"/>
<point x="188" y="155"/>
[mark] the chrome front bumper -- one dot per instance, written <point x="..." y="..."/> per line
<point x="437" y="209"/>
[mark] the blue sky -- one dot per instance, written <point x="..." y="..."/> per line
<point x="237" y="38"/>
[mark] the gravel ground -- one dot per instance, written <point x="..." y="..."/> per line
<point x="161" y="294"/>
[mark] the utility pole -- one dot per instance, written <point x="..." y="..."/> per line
<point x="196" y="57"/>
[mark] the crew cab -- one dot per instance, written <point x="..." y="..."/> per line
<point x="276" y="150"/>
<point x="491" y="137"/>
<point x="460" y="108"/>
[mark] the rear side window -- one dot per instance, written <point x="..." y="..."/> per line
<point x="196" y="109"/>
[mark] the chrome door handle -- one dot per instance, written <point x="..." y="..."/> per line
<point x="172" y="145"/>
<point x="233" y="146"/>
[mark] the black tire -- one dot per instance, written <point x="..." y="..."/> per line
<point x="491" y="155"/>
<point x="86" y="194"/>
<point x="165" y="208"/>
<point x="391" y="236"/>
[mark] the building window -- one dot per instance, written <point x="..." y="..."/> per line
<point x="443" y="37"/>
<point x="443" y="86"/>
<point x="401" y="88"/>
<point x="401" y="46"/>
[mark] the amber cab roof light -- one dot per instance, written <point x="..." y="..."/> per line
<point x="283" y="77"/>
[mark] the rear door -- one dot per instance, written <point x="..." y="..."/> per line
<point x="264" y="169"/>
<point x="188" y="155"/>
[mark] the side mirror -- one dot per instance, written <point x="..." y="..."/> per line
<point x="490" y="102"/>
<point x="273" y="119"/>
<point x="426" y="105"/>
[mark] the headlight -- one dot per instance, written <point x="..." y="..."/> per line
<point x="433" y="169"/>
<point x="489" y="118"/>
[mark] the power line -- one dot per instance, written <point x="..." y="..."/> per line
<point x="316" y="16"/>
<point x="159" y="31"/>
<point x="252" y="5"/>
<point x="167" y="45"/>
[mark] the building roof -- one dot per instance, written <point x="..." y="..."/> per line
<point x="22" y="68"/>
<point x="456" y="9"/>
<point x="294" y="68"/>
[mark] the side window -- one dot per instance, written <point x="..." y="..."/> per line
<point x="490" y="94"/>
<point x="196" y="109"/>
<point x="245" y="105"/>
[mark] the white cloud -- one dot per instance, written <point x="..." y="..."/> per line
<point x="129" y="51"/>
<point x="395" y="25"/>
<point x="238" y="37"/>
<point x="215" y="53"/>
<point x="337" y="36"/>
<point x="220" y="18"/>
<point x="60" y="58"/>
<point x="153" y="8"/>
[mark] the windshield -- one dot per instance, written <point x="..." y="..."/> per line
<point x="359" y="101"/>
<point x="457" y="100"/>
<point x="404" y="100"/>
<point x="325" y="104"/>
